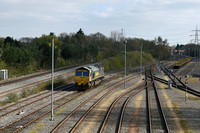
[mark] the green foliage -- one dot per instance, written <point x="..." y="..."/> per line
<point x="3" y="65"/>
<point x="12" y="97"/>
<point x="99" y="56"/>
<point x="106" y="65"/>
<point x="60" y="62"/>
<point x="191" y="49"/>
<point x="29" y="55"/>
<point x="117" y="62"/>
<point x="24" y="94"/>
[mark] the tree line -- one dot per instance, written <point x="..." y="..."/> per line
<point x="28" y="55"/>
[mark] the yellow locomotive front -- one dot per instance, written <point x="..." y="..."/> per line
<point x="88" y="76"/>
<point x="82" y="78"/>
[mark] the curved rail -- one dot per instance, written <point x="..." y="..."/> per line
<point x="75" y="110"/>
<point x="165" y="125"/>
<point x="45" y="112"/>
<point x="12" y="126"/>
<point x="120" y="119"/>
<point x="189" y="90"/>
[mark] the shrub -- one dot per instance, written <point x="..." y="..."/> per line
<point x="12" y="97"/>
<point x="23" y="94"/>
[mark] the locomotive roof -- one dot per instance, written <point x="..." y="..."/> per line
<point x="92" y="67"/>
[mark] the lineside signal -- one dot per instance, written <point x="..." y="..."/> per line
<point x="154" y="68"/>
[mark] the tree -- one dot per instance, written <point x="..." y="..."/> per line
<point x="117" y="36"/>
<point x="11" y="55"/>
<point x="45" y="55"/>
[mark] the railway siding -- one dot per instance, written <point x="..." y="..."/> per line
<point x="181" y="116"/>
<point x="70" y="107"/>
<point x="179" y="112"/>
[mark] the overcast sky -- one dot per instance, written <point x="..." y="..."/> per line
<point x="171" y="19"/>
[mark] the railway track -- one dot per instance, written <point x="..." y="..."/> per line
<point x="91" y="107"/>
<point x="28" y="86"/>
<point x="183" y="88"/>
<point x="156" y="117"/>
<point x="177" y="82"/>
<point x="25" y="121"/>
<point x="121" y="114"/>
<point x="185" y="70"/>
<point x="156" y="120"/>
<point x="30" y="80"/>
<point x="3" y="83"/>
<point x="18" y="107"/>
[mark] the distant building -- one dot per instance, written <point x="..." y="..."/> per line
<point x="179" y="50"/>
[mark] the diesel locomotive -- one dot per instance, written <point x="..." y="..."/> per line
<point x="88" y="76"/>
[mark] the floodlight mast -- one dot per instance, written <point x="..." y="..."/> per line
<point x="52" y="79"/>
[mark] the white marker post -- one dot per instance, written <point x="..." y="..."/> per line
<point x="186" y="96"/>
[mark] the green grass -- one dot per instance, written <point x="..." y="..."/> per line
<point x="12" y="97"/>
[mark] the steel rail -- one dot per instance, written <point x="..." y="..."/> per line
<point x="103" y="124"/>
<point x="106" y="80"/>
<point x="80" y="106"/>
<point x="30" y="122"/>
<point x="149" y="124"/>
<point x="89" y="110"/>
<point x="189" y="90"/>
<point x="40" y="74"/>
<point x="121" y="116"/>
<point x="165" y="125"/>
<point x="24" y="87"/>
<point x="7" y="126"/>
<point x="68" y="87"/>
<point x="168" y="74"/>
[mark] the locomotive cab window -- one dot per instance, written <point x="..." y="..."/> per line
<point x="78" y="73"/>
<point x="93" y="75"/>
<point x="86" y="74"/>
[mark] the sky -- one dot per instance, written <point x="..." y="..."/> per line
<point x="173" y="20"/>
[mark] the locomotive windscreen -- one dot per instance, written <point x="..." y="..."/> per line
<point x="86" y="74"/>
<point x="78" y="73"/>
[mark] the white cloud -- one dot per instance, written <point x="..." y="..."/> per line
<point x="105" y="13"/>
<point x="138" y="16"/>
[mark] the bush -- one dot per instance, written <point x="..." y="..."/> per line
<point x="12" y="97"/>
<point x="117" y="62"/>
<point x="24" y="94"/>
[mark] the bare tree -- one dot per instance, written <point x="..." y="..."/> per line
<point x="117" y="36"/>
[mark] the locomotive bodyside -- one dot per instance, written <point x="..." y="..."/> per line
<point x="89" y="76"/>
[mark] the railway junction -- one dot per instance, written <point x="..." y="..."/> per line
<point x="147" y="104"/>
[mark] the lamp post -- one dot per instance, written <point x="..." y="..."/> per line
<point x="52" y="34"/>
<point x="125" y="64"/>
<point x="141" y="60"/>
